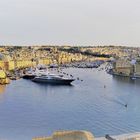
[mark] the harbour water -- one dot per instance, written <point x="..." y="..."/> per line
<point x="96" y="104"/>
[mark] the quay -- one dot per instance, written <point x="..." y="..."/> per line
<point x="85" y="135"/>
<point x="125" y="67"/>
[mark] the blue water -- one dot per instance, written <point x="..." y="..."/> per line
<point x="28" y="109"/>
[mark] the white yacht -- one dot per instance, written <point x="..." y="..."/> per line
<point x="36" y="72"/>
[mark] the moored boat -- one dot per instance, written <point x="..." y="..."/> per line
<point x="28" y="76"/>
<point x="52" y="79"/>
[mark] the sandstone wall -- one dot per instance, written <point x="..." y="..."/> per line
<point x="68" y="135"/>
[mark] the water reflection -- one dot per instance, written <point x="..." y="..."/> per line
<point x="2" y="88"/>
<point x="126" y="80"/>
<point x="54" y="85"/>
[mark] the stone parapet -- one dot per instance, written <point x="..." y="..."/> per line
<point x="68" y="135"/>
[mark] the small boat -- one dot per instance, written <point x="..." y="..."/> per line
<point x="53" y="79"/>
<point x="133" y="78"/>
<point x="28" y="76"/>
<point x="53" y="66"/>
<point x="14" y="77"/>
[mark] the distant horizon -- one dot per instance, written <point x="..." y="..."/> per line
<point x="52" y="45"/>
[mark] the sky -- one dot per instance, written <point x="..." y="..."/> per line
<point x="70" y="22"/>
